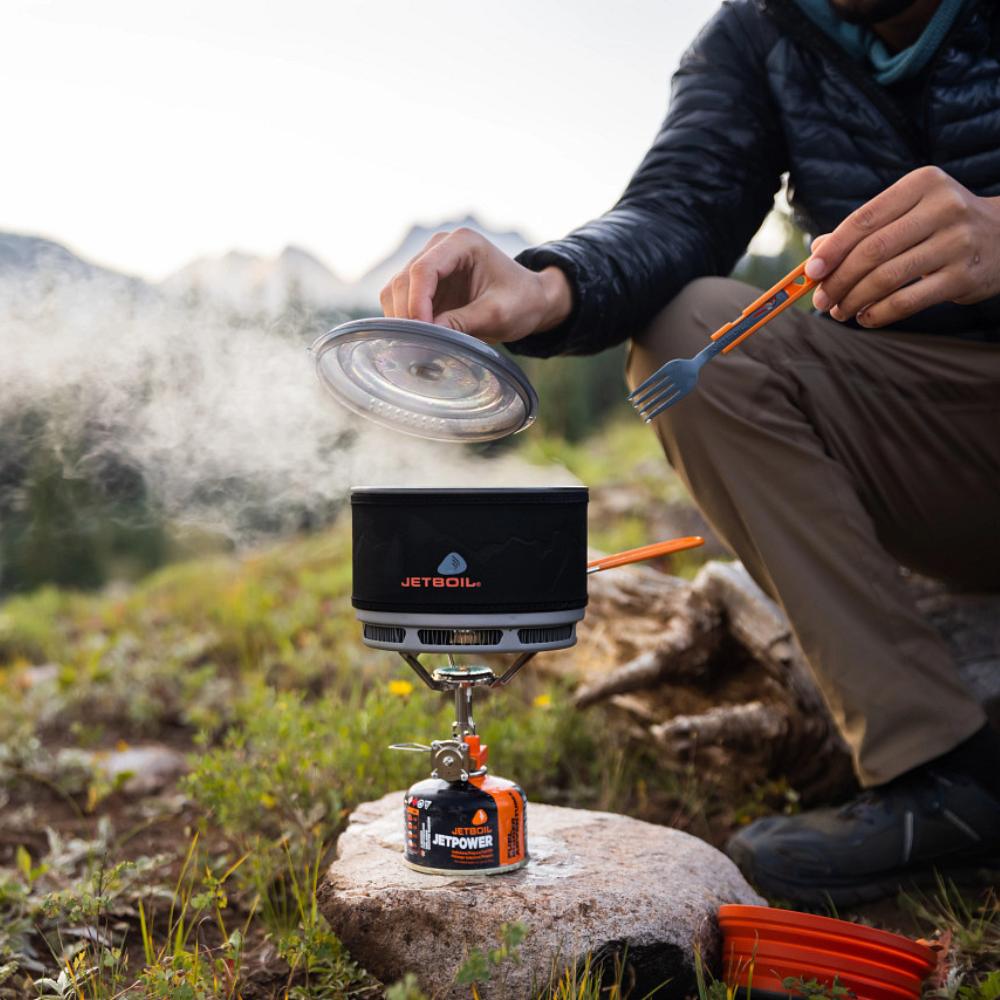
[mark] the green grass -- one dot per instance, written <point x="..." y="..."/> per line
<point x="969" y="929"/>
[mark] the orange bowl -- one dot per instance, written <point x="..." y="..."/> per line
<point x="762" y="946"/>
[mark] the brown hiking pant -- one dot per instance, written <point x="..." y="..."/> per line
<point x="825" y="457"/>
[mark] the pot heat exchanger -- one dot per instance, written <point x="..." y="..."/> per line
<point x="457" y="573"/>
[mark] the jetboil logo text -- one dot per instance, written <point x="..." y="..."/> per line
<point x="450" y="575"/>
<point x="474" y="837"/>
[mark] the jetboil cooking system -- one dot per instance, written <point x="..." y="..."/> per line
<point x="459" y="571"/>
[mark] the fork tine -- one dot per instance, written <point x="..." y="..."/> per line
<point x="663" y="390"/>
<point x="655" y="377"/>
<point x="668" y="402"/>
<point x="665" y="405"/>
<point x="640" y="398"/>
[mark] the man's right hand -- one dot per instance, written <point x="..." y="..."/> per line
<point x="462" y="281"/>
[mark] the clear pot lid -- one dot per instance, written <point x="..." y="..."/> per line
<point x="424" y="380"/>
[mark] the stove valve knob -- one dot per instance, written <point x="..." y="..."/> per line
<point x="450" y="760"/>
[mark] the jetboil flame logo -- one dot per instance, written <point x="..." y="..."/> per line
<point x="449" y="575"/>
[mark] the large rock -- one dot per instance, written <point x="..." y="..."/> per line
<point x="597" y="883"/>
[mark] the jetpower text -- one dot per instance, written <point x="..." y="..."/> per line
<point x="463" y="843"/>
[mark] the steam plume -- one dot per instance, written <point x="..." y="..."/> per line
<point x="219" y="418"/>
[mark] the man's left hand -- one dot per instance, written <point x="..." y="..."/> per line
<point x="924" y="240"/>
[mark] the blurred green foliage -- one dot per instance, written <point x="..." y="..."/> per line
<point x="578" y="394"/>
<point x="69" y="518"/>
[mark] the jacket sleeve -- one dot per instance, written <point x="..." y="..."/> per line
<point x="691" y="208"/>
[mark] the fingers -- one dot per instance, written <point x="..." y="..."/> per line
<point x="894" y="202"/>
<point x="814" y="246"/>
<point x="394" y="297"/>
<point x="875" y="261"/>
<point x="385" y="300"/>
<point x="925" y="258"/>
<point x="906" y="301"/>
<point x="482" y="314"/>
<point x="400" y="286"/>
<point x="438" y="262"/>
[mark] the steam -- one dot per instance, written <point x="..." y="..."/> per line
<point x="224" y="421"/>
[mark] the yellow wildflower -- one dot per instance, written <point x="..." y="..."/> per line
<point x="402" y="689"/>
<point x="543" y="701"/>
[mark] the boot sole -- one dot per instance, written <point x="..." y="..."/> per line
<point x="976" y="871"/>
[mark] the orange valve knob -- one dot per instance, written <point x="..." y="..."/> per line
<point x="479" y="752"/>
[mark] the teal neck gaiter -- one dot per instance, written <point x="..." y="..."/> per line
<point x="863" y="45"/>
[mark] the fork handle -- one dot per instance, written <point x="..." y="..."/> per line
<point x="776" y="299"/>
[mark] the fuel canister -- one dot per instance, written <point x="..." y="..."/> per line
<point x="474" y="827"/>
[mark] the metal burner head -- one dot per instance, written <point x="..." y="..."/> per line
<point x="460" y="677"/>
<point x="456" y="678"/>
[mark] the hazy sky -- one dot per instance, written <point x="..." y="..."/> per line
<point x="146" y="133"/>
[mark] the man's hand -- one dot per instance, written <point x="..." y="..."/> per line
<point x="463" y="281"/>
<point x="924" y="240"/>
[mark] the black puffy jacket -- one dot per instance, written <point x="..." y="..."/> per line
<point x="762" y="91"/>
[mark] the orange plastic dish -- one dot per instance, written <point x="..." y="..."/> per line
<point x="762" y="946"/>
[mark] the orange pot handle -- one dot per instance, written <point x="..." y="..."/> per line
<point x="645" y="552"/>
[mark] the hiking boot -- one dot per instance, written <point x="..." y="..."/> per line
<point x="893" y="837"/>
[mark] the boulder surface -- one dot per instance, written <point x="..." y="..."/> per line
<point x="596" y="884"/>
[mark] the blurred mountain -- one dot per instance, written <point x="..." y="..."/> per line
<point x="293" y="282"/>
<point x="365" y="292"/>
<point x="249" y="285"/>
<point x="24" y="257"/>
